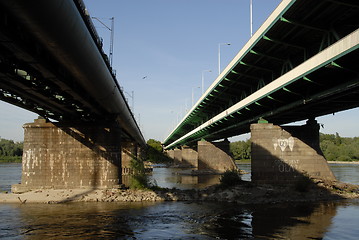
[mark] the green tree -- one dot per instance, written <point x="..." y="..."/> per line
<point x="337" y="148"/>
<point x="10" y="151"/>
<point x="155" y="152"/>
<point x="240" y="150"/>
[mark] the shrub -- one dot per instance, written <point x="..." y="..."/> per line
<point x="230" y="178"/>
<point x="139" y="179"/>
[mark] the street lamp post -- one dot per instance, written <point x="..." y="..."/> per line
<point x="132" y="96"/>
<point x="203" y="79"/>
<point x="111" y="29"/>
<point x="251" y="16"/>
<point x="219" y="56"/>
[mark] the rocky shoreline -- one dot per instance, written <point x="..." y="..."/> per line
<point x="244" y="193"/>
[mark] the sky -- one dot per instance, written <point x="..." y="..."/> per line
<point x="161" y="50"/>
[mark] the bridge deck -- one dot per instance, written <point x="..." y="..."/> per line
<point x="296" y="32"/>
<point x="51" y="63"/>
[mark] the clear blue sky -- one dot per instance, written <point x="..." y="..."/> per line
<point x="170" y="42"/>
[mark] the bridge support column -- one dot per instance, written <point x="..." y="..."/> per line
<point x="128" y="152"/>
<point x="287" y="154"/>
<point x="70" y="156"/>
<point x="177" y="158"/>
<point x="189" y="157"/>
<point x="170" y="153"/>
<point x="215" y="156"/>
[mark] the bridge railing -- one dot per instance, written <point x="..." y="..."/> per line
<point x="91" y="27"/>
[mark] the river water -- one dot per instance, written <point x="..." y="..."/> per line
<point x="180" y="220"/>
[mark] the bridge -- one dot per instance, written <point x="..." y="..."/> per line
<point x="52" y="63"/>
<point x="300" y="64"/>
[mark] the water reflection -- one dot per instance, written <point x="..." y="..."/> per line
<point x="77" y="220"/>
<point x="348" y="173"/>
<point x="170" y="220"/>
<point x="181" y="178"/>
<point x="184" y="220"/>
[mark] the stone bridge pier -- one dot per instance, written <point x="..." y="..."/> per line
<point x="71" y="155"/>
<point x="205" y="156"/>
<point x="287" y="154"/>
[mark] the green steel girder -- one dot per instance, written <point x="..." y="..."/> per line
<point x="290" y="91"/>
<point x="293" y="22"/>
<point x="311" y="81"/>
<point x="267" y="56"/>
<point x="283" y="43"/>
<point x="245" y="75"/>
<point x="256" y="67"/>
<point x="343" y="3"/>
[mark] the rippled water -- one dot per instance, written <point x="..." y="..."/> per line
<point x="180" y="220"/>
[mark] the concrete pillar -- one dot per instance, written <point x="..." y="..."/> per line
<point x="129" y="151"/>
<point x="60" y="155"/>
<point x="177" y="156"/>
<point x="287" y="154"/>
<point x="215" y="156"/>
<point x="170" y="153"/>
<point x="189" y="157"/>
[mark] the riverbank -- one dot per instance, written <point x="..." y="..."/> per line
<point x="244" y="193"/>
<point x="343" y="162"/>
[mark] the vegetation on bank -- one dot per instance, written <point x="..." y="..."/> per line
<point x="155" y="152"/>
<point x="337" y="148"/>
<point x="334" y="148"/>
<point x="10" y="151"/>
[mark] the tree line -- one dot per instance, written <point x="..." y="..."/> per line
<point x="10" y="151"/>
<point x="334" y="148"/>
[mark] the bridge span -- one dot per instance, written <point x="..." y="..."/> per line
<point x="52" y="63"/>
<point x="300" y="64"/>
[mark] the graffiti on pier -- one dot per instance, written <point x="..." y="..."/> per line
<point x="283" y="143"/>
<point x="287" y="165"/>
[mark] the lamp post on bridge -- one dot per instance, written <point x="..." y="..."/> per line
<point x="111" y="29"/>
<point x="219" y="56"/>
<point x="203" y="79"/>
<point x="251" y="16"/>
<point x="132" y="96"/>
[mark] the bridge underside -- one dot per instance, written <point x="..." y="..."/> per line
<point x="52" y="63"/>
<point x="296" y="34"/>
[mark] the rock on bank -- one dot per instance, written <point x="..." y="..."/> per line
<point x="244" y="193"/>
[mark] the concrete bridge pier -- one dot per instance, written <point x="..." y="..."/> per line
<point x="206" y="156"/>
<point x="215" y="156"/>
<point x="129" y="151"/>
<point x="287" y="154"/>
<point x="69" y="155"/>
<point x="189" y="156"/>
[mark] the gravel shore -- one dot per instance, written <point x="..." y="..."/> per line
<point x="244" y="193"/>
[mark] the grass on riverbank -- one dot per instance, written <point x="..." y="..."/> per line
<point x="10" y="159"/>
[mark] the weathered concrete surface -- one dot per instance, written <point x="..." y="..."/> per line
<point x="214" y="156"/>
<point x="129" y="151"/>
<point x="170" y="153"/>
<point x="287" y="154"/>
<point x="177" y="156"/>
<point x="189" y="157"/>
<point x="70" y="156"/>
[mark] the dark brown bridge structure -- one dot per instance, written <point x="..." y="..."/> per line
<point x="301" y="63"/>
<point x="52" y="63"/>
